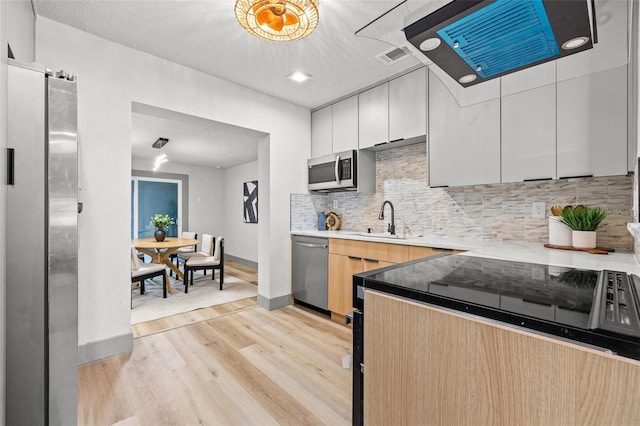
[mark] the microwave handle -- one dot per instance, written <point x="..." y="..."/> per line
<point x="336" y="169"/>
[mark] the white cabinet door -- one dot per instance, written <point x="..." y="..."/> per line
<point x="321" y="132"/>
<point x="529" y="135"/>
<point x="373" y="116"/>
<point x="345" y="124"/>
<point x="464" y="143"/>
<point x="612" y="49"/>
<point x="592" y="124"/>
<point x="408" y="105"/>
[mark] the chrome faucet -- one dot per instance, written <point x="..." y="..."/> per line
<point x="392" y="226"/>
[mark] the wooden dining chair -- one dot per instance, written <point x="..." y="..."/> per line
<point x="188" y="249"/>
<point x="204" y="263"/>
<point x="143" y="271"/>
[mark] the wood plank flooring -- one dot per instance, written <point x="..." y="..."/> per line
<point x="237" y="364"/>
<point x="167" y="323"/>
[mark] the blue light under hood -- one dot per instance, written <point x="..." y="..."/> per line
<point x="505" y="35"/>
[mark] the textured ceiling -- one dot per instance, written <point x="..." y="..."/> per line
<point x="192" y="140"/>
<point x="205" y="35"/>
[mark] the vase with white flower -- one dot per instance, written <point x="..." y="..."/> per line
<point x="161" y="223"/>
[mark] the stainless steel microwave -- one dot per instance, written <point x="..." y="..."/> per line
<point x="343" y="171"/>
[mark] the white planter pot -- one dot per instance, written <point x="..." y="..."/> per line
<point x="559" y="233"/>
<point x="584" y="239"/>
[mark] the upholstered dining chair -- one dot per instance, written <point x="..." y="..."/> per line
<point x="204" y="263"/>
<point x="189" y="249"/>
<point x="143" y="271"/>
<point x="206" y="249"/>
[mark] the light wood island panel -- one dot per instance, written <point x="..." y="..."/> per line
<point x="426" y="366"/>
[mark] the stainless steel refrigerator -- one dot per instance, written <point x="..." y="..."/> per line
<point x="42" y="248"/>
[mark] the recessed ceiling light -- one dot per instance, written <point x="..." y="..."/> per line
<point x="467" y="78"/>
<point x="574" y="43"/>
<point x="298" y="76"/>
<point x="430" y="44"/>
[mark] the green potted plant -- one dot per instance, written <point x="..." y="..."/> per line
<point x="583" y="222"/>
<point x="161" y="222"/>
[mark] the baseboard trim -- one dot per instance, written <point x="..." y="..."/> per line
<point x="245" y="262"/>
<point x="275" y="303"/>
<point x="99" y="349"/>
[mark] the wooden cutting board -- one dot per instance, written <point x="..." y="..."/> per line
<point x="597" y="250"/>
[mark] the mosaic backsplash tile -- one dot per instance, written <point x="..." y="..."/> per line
<point x="497" y="212"/>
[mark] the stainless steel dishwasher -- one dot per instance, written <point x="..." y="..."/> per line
<point x="310" y="260"/>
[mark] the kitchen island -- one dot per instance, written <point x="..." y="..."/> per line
<point x="467" y="339"/>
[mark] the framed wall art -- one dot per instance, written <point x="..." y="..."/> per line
<point x="250" y="198"/>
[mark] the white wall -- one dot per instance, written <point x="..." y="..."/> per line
<point x="22" y="30"/>
<point x="241" y="239"/>
<point x="206" y="189"/>
<point x="110" y="78"/>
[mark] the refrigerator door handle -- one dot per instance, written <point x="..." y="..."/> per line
<point x="10" y="166"/>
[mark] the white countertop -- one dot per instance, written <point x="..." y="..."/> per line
<point x="523" y="252"/>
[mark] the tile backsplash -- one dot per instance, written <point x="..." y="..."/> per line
<point x="499" y="212"/>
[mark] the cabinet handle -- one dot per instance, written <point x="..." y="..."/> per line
<point x="396" y="140"/>
<point x="537" y="179"/>
<point x="371" y="260"/>
<point x="354" y="257"/>
<point x="439" y="186"/>
<point x="575" y="177"/>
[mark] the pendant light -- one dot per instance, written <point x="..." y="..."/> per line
<point x="278" y="20"/>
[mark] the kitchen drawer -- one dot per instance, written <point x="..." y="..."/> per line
<point x="394" y="253"/>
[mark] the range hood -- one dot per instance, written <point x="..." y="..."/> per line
<point x="478" y="40"/>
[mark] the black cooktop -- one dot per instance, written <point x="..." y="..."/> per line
<point x="552" y="299"/>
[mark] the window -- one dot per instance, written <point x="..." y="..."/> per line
<point x="150" y="196"/>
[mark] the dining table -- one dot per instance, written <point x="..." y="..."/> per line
<point x="159" y="251"/>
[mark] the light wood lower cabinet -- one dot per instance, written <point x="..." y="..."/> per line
<point x="349" y="257"/>
<point x="425" y="366"/>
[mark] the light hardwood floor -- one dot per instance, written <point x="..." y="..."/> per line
<point x="235" y="364"/>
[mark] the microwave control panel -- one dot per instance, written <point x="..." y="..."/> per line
<point x="345" y="169"/>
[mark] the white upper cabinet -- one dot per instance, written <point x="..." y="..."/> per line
<point x="529" y="135"/>
<point x="373" y="116"/>
<point x="464" y="142"/>
<point x="408" y="105"/>
<point x="528" y="78"/>
<point x="612" y="48"/>
<point x="592" y="124"/>
<point x="322" y="132"/>
<point x="345" y="124"/>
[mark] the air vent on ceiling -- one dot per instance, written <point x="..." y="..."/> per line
<point x="393" y="55"/>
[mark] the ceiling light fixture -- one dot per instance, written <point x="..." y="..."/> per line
<point x="298" y="76"/>
<point x="278" y="20"/>
<point x="159" y="160"/>
<point x="162" y="158"/>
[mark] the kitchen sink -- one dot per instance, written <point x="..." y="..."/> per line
<point x="380" y="235"/>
